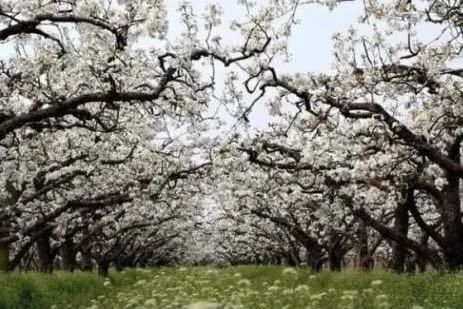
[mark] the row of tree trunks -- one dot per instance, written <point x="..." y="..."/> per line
<point x="41" y="254"/>
<point x="45" y="257"/>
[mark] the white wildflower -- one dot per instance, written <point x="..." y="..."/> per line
<point x="244" y="282"/>
<point x="203" y="305"/>
<point x="289" y="271"/>
<point x="302" y="288"/>
<point x="376" y="282"/>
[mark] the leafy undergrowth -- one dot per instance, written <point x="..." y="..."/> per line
<point x="235" y="287"/>
<point x="280" y="287"/>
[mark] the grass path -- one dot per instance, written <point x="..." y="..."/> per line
<point x="253" y="287"/>
<point x="279" y="287"/>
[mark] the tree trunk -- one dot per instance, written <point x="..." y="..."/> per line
<point x="410" y="264"/>
<point x="103" y="268"/>
<point x="401" y="224"/>
<point x="315" y="260"/>
<point x="68" y="255"/>
<point x="389" y="234"/>
<point x="421" y="262"/>
<point x="4" y="257"/>
<point x="86" y="251"/>
<point x="87" y="264"/>
<point x="4" y="247"/>
<point x="143" y="262"/>
<point x="452" y="228"/>
<point x="451" y="215"/>
<point x="335" y="261"/>
<point x="45" y="253"/>
<point x="365" y="261"/>
<point x="118" y="264"/>
<point x="291" y="258"/>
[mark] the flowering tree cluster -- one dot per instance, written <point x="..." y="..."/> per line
<point x="371" y="148"/>
<point x="113" y="149"/>
<point x="103" y="159"/>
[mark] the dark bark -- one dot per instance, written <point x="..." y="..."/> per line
<point x="365" y="260"/>
<point x="4" y="246"/>
<point x="143" y="262"/>
<point x="291" y="258"/>
<point x="315" y="260"/>
<point x="86" y="263"/>
<point x="401" y="225"/>
<point x="103" y="268"/>
<point x="118" y="265"/>
<point x="410" y="264"/>
<point x="421" y="262"/>
<point x="451" y="214"/>
<point x="389" y="234"/>
<point x="86" y="251"/>
<point x="335" y="261"/>
<point x="4" y="256"/>
<point x="315" y="257"/>
<point x="45" y="253"/>
<point x="337" y="246"/>
<point x="68" y="254"/>
<point x="22" y="252"/>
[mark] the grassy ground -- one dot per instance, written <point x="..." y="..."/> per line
<point x="59" y="290"/>
<point x="236" y="287"/>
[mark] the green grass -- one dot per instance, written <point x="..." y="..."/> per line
<point x="279" y="287"/>
<point x="61" y="289"/>
<point x="235" y="287"/>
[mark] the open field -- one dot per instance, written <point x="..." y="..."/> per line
<point x="234" y="287"/>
